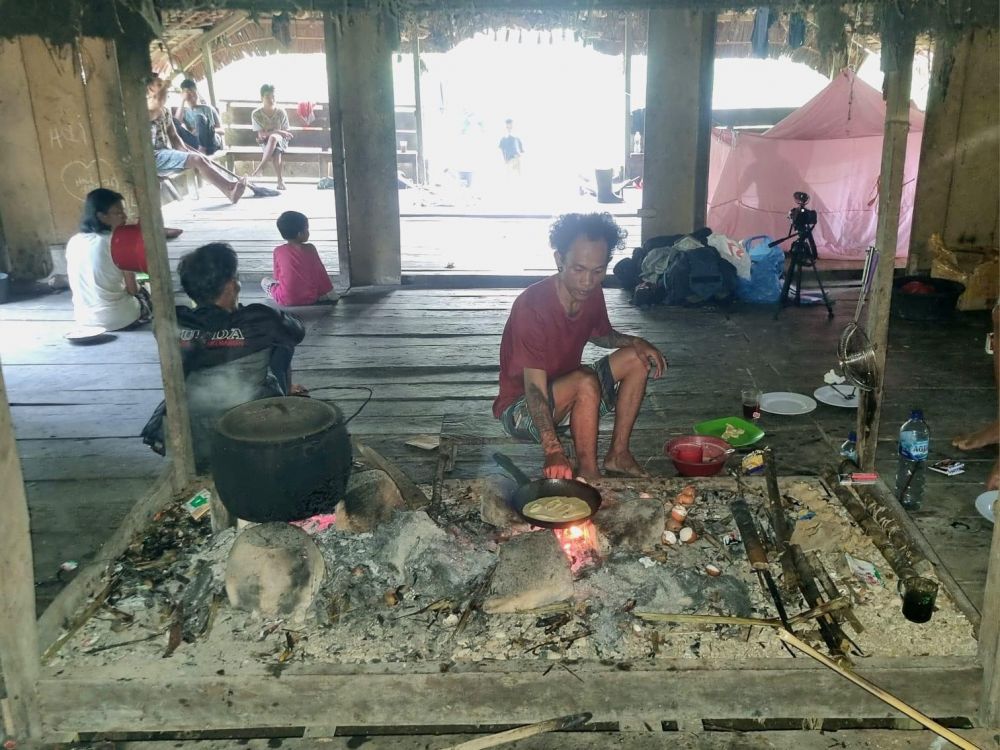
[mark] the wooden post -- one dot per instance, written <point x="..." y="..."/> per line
<point x="418" y="108"/>
<point x="627" y="52"/>
<point x="364" y="60"/>
<point x="989" y="638"/>
<point x="897" y="59"/>
<point x="206" y="52"/>
<point x="133" y="67"/>
<point x="678" y="120"/>
<point x="330" y="32"/>
<point x="18" y="634"/>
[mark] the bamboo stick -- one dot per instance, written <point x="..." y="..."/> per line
<point x="878" y="692"/>
<point x="529" y="730"/>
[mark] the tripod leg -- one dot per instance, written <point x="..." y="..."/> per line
<point x="798" y="284"/>
<point x="826" y="300"/>
<point x="783" y="299"/>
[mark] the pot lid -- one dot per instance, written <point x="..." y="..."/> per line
<point x="280" y="419"/>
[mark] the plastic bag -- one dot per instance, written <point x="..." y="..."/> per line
<point x="767" y="266"/>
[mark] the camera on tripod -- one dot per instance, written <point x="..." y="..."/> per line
<point x="802" y="253"/>
<point x="803" y="219"/>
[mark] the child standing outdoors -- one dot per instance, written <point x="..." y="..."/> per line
<point x="299" y="275"/>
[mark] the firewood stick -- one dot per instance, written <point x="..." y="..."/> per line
<point x="764" y="622"/>
<point x="529" y="730"/>
<point x="878" y="692"/>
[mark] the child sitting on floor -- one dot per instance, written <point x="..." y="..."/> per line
<point x="299" y="275"/>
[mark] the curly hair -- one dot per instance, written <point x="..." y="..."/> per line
<point x="204" y="272"/>
<point x="595" y="226"/>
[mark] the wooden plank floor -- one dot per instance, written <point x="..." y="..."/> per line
<point x="432" y="354"/>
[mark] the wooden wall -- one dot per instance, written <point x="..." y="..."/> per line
<point x="958" y="188"/>
<point x="63" y="133"/>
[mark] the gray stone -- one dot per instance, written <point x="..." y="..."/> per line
<point x="494" y="501"/>
<point x="630" y="524"/>
<point x="274" y="570"/>
<point x="532" y="571"/>
<point x="413" y="535"/>
<point x="370" y="499"/>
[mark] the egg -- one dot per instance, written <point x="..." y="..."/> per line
<point x="678" y="513"/>
<point x="687" y="535"/>
<point x="713" y="570"/>
<point x="669" y="537"/>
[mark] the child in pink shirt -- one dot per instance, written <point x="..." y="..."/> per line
<point x="299" y="275"/>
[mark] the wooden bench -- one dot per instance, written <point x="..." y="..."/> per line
<point x="310" y="143"/>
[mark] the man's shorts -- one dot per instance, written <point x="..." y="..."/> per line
<point x="517" y="421"/>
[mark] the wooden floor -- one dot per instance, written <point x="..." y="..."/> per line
<point x="431" y="357"/>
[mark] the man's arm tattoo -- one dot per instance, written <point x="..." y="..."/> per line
<point x="613" y="340"/>
<point x="541" y="413"/>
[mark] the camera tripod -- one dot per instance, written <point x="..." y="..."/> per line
<point x="802" y="254"/>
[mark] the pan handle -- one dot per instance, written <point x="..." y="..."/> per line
<point x="510" y="467"/>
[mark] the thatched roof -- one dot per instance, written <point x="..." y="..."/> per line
<point x="236" y="34"/>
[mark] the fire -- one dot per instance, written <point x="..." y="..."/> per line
<point x="579" y="542"/>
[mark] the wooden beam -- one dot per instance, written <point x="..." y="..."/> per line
<point x="418" y="110"/>
<point x="229" y="25"/>
<point x="627" y="55"/>
<point x="133" y="64"/>
<point x="706" y="80"/>
<point x="897" y="58"/>
<point x="989" y="638"/>
<point x="110" y="699"/>
<point x="18" y="636"/>
<point x="206" y="53"/>
<point x="338" y="171"/>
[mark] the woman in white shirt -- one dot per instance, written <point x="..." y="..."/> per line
<point x="103" y="294"/>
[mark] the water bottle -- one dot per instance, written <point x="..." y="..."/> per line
<point x="914" y="442"/>
<point x="849" y="448"/>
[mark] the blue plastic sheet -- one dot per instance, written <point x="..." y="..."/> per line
<point x="767" y="265"/>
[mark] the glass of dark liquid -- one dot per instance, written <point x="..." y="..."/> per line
<point x="751" y="403"/>
<point x="919" y="595"/>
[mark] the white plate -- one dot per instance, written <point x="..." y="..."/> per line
<point x="984" y="504"/>
<point x="829" y="396"/>
<point x="85" y="333"/>
<point x="788" y="404"/>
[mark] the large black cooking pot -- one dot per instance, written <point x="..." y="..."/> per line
<point x="281" y="459"/>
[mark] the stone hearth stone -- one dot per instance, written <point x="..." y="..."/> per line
<point x="532" y="571"/>
<point x="630" y="524"/>
<point x="274" y="570"/>
<point x="371" y="498"/>
<point x="413" y="536"/>
<point x="494" y="501"/>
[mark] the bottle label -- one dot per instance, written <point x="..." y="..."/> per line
<point x="911" y="448"/>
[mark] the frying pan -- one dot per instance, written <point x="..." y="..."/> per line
<point x="529" y="490"/>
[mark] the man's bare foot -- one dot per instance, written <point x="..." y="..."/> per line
<point x="993" y="482"/>
<point x="590" y="476"/>
<point x="238" y="189"/>
<point x="298" y="390"/>
<point x="281" y="186"/>
<point x="624" y="464"/>
<point x="988" y="435"/>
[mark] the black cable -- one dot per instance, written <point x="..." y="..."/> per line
<point x="347" y="388"/>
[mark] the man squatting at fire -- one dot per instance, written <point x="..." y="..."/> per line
<point x="542" y="382"/>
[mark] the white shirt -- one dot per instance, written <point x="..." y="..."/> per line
<point x="98" y="285"/>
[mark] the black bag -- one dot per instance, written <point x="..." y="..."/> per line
<point x="698" y="276"/>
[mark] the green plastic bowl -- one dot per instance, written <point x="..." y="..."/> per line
<point x="715" y="427"/>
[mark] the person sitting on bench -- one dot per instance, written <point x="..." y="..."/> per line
<point x="272" y="129"/>
<point x="198" y="123"/>
<point x="231" y="353"/>
<point x="172" y="154"/>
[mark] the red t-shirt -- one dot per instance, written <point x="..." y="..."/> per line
<point x="540" y="335"/>
<point x="301" y="276"/>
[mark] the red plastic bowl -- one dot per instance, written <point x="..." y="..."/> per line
<point x="697" y="455"/>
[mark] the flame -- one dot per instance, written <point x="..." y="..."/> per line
<point x="579" y="543"/>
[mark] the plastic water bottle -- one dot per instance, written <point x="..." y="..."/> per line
<point x="914" y="443"/>
<point x="849" y="448"/>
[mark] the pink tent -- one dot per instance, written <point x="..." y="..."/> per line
<point x="830" y="147"/>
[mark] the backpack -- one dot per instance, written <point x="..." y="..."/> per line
<point x="698" y="276"/>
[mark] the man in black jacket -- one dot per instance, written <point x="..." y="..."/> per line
<point x="231" y="353"/>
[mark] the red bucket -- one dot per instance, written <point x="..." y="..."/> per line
<point x="128" y="250"/>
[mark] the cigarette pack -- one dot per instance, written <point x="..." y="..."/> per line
<point x="198" y="505"/>
<point x="948" y="466"/>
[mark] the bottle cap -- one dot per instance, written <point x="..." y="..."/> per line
<point x="917" y="414"/>
<point x="852" y="436"/>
